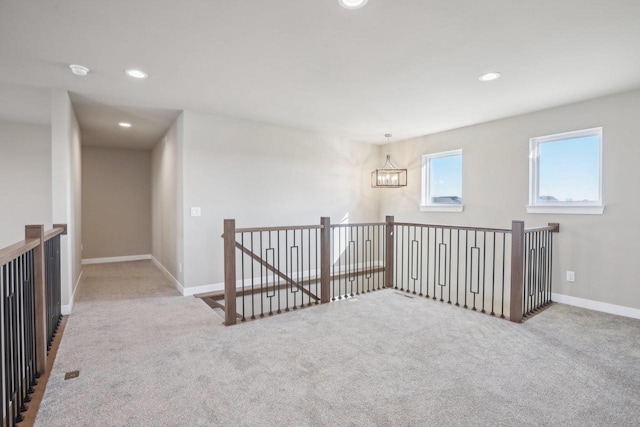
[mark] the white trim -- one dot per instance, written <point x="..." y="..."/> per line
<point x="115" y="259"/>
<point x="168" y="275"/>
<point x="597" y="305"/>
<point x="534" y="175"/>
<point x="442" y="208"/>
<point x="425" y="196"/>
<point x="566" y="210"/>
<point x="66" y="310"/>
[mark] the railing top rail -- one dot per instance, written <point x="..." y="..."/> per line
<point x="455" y="227"/>
<point x="285" y="227"/>
<point x="53" y="233"/>
<point x="16" y="250"/>
<point x="361" y="224"/>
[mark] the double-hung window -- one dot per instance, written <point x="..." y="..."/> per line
<point x="565" y="173"/>
<point x="442" y="182"/>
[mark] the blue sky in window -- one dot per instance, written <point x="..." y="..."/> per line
<point x="445" y="176"/>
<point x="569" y="169"/>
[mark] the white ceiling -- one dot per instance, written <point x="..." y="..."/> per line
<point x="400" y="66"/>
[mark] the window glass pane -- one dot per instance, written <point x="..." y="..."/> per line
<point x="445" y="179"/>
<point x="569" y="170"/>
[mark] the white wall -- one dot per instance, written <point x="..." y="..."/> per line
<point x="265" y="175"/>
<point x="166" y="200"/>
<point x="66" y="174"/>
<point x="25" y="179"/>
<point x="601" y="249"/>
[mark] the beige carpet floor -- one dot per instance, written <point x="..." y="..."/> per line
<point x="149" y="357"/>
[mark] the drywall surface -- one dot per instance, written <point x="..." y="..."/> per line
<point x="116" y="202"/>
<point x="166" y="200"/>
<point x="66" y="181"/>
<point x="601" y="249"/>
<point x="265" y="175"/>
<point x="25" y="174"/>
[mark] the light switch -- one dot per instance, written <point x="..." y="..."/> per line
<point x="196" y="212"/>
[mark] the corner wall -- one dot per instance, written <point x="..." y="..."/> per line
<point x="601" y="249"/>
<point x="166" y="201"/>
<point x="66" y="179"/>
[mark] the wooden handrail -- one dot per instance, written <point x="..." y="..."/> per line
<point x="292" y="227"/>
<point x="57" y="230"/>
<point x="14" y="251"/>
<point x="455" y="227"/>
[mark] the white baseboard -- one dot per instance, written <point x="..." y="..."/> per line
<point x="168" y="275"/>
<point x="66" y="309"/>
<point x="597" y="305"/>
<point x="115" y="259"/>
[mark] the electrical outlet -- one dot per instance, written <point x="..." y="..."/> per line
<point x="180" y="267"/>
<point x="196" y="212"/>
<point x="571" y="276"/>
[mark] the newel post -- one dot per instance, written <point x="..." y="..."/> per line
<point x="40" y="287"/>
<point x="517" y="270"/>
<point x="388" y="259"/>
<point x="325" y="260"/>
<point x="230" y="272"/>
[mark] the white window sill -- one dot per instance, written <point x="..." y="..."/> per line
<point x="566" y="210"/>
<point x="441" y="208"/>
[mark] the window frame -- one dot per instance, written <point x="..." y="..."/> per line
<point x="425" y="206"/>
<point x="562" y="207"/>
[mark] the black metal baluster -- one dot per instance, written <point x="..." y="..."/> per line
<point x="457" y="266"/>
<point x="493" y="275"/>
<point x="316" y="248"/>
<point x="449" y="263"/>
<point x="333" y="264"/>
<point x="484" y="268"/>
<point x="435" y="261"/>
<point x="275" y="278"/>
<point x="504" y="251"/>
<point x="440" y="265"/>
<point x="279" y="254"/>
<point x="466" y="265"/>
<point x="262" y="277"/>
<point x="428" y="260"/>
<point x="352" y="260"/>
<point x="527" y="275"/>
<point x="421" y="259"/>
<point x="244" y="295"/>
<point x="253" y="313"/>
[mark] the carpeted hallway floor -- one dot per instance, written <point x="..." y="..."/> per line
<point x="149" y="357"/>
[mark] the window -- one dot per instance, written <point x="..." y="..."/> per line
<point x="442" y="182"/>
<point x="565" y="173"/>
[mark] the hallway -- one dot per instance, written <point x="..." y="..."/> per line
<point x="150" y="357"/>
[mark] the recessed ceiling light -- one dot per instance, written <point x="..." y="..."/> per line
<point x="124" y="124"/>
<point x="136" y="74"/>
<point x="489" y="76"/>
<point x="352" y="4"/>
<point x="79" y="70"/>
